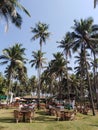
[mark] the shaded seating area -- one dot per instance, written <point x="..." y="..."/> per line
<point x="25" y="113"/>
<point x="64" y="114"/>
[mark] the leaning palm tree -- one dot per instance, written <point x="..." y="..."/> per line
<point x="40" y="32"/>
<point x="14" y="58"/>
<point x="38" y="61"/>
<point x="8" y="10"/>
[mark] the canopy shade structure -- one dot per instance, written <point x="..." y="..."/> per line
<point x="17" y="98"/>
<point x="62" y="96"/>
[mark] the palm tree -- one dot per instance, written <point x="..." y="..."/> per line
<point x="58" y="67"/>
<point x="40" y="32"/>
<point x="65" y="45"/>
<point x="49" y="79"/>
<point x="33" y="84"/>
<point x="84" y="37"/>
<point x="8" y="10"/>
<point x="81" y="69"/>
<point x="74" y="85"/>
<point x="14" y="58"/>
<point x="38" y="61"/>
<point x="2" y="84"/>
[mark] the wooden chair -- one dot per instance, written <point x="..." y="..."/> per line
<point x="85" y="111"/>
<point x="18" y="116"/>
<point x="59" y="115"/>
<point x="52" y="111"/>
<point x="69" y="115"/>
<point x="30" y="115"/>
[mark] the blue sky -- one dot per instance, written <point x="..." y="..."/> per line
<point x="59" y="14"/>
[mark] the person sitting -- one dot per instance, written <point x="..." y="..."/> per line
<point x="32" y="106"/>
<point x="20" y="106"/>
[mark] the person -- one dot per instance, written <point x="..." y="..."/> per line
<point x="73" y="104"/>
<point x="20" y="106"/>
<point x="32" y="106"/>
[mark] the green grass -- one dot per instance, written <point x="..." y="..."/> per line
<point x="45" y="122"/>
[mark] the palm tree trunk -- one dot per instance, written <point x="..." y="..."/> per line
<point x="95" y="79"/>
<point x="40" y="45"/>
<point x="9" y="88"/>
<point x="89" y="88"/>
<point x="67" y="79"/>
<point x="38" y="91"/>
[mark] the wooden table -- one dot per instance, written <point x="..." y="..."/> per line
<point x="24" y="112"/>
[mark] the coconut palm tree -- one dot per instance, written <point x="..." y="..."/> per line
<point x="2" y="84"/>
<point x="14" y="58"/>
<point x="40" y="32"/>
<point x="38" y="61"/>
<point x="49" y="79"/>
<point x="8" y="10"/>
<point x="75" y="85"/>
<point x="84" y="37"/>
<point x="81" y="69"/>
<point x="58" y="67"/>
<point x="33" y="84"/>
<point x="65" y="45"/>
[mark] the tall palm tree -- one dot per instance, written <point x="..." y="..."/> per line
<point x="84" y="38"/>
<point x="14" y="58"/>
<point x="38" y="61"/>
<point x="8" y="10"/>
<point x="40" y="32"/>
